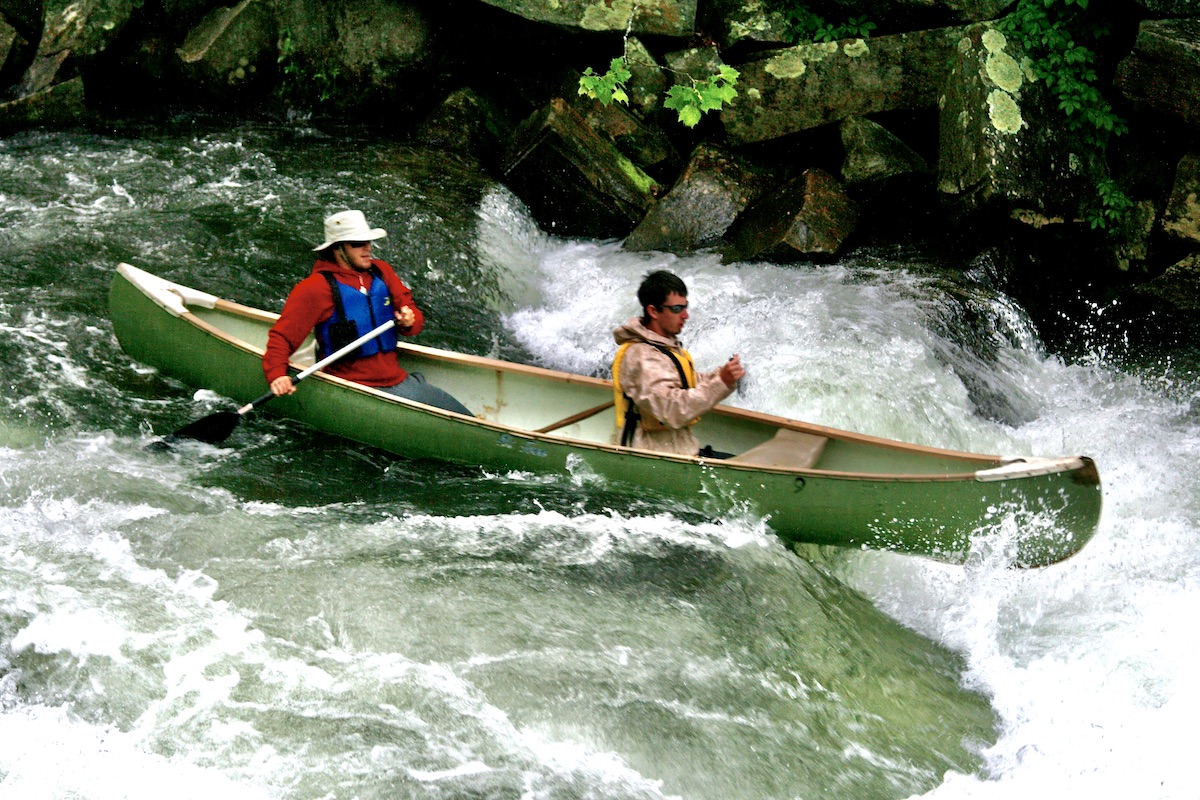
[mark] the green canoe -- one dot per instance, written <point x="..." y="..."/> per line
<point x="813" y="484"/>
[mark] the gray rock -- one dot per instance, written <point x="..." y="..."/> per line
<point x="646" y="79"/>
<point x="1181" y="218"/>
<point x="61" y="104"/>
<point x="712" y="191"/>
<point x="874" y="153"/>
<point x="1002" y="141"/>
<point x="573" y="180"/>
<point x="231" y="47"/>
<point x="468" y="124"/>
<point x="814" y="84"/>
<point x="69" y="28"/>
<point x="748" y="23"/>
<point x="661" y="17"/>
<point x="1179" y="286"/>
<point x="808" y="215"/>
<point x="1171" y="8"/>
<point x="919" y="13"/>
<point x="1163" y="70"/>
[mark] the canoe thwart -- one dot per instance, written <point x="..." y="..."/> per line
<point x="571" y="420"/>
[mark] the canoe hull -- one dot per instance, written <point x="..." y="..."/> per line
<point x="935" y="514"/>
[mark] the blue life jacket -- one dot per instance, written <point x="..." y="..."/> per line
<point x="354" y="314"/>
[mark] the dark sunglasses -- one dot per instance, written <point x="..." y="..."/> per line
<point x="675" y="309"/>
<point x="357" y="245"/>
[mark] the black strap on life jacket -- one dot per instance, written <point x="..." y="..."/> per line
<point x="632" y="414"/>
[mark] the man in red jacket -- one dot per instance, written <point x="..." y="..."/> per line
<point x="349" y="293"/>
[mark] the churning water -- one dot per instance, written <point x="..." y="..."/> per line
<point x="289" y="616"/>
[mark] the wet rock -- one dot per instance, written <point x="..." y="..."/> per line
<point x="646" y="79"/>
<point x="1163" y="69"/>
<point x="692" y="64"/>
<point x="908" y="14"/>
<point x="61" y="104"/>
<point x="646" y="145"/>
<point x="231" y="48"/>
<point x="469" y="124"/>
<point x="68" y="29"/>
<point x="809" y="85"/>
<point x="712" y="191"/>
<point x="1001" y="142"/>
<point x="1182" y="215"/>
<point x="661" y="17"/>
<point x="574" y="181"/>
<point x="1179" y="286"/>
<point x="752" y="24"/>
<point x="808" y="215"/>
<point x="874" y="153"/>
<point x="1171" y="8"/>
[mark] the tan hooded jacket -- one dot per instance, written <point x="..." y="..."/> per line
<point x="651" y="380"/>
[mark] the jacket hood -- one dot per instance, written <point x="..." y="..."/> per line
<point x="635" y="331"/>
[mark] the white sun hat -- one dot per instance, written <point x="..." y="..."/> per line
<point x="348" y="226"/>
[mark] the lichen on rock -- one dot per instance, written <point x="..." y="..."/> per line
<point x="1004" y="112"/>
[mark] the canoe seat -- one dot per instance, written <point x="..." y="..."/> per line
<point x="787" y="448"/>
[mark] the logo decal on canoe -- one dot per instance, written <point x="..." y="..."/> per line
<point x="529" y="448"/>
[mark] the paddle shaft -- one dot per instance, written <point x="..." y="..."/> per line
<point x="324" y="362"/>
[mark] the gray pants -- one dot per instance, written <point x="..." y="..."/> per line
<point x="414" y="387"/>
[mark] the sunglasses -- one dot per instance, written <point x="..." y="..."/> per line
<point x="675" y="309"/>
<point x="357" y="245"/>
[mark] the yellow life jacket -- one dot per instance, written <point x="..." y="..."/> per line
<point x="624" y="406"/>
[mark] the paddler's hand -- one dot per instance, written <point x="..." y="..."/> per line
<point x="405" y="317"/>
<point x="732" y="371"/>
<point x="282" y="385"/>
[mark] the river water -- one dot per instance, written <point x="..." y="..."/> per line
<point x="289" y="616"/>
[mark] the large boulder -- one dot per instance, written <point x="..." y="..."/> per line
<point x="712" y="191"/>
<point x="575" y="182"/>
<point x="335" y="54"/>
<point x="748" y="24"/>
<point x="1002" y="142"/>
<point x="1163" y="70"/>
<point x="69" y="29"/>
<point x="1171" y="8"/>
<point x="809" y="85"/>
<point x="469" y="124"/>
<point x="1181" y="218"/>
<point x="660" y="17"/>
<point x="1179" y="286"/>
<point x="909" y="14"/>
<point x="60" y="104"/>
<point x="873" y="153"/>
<point x="231" y="50"/>
<point x="806" y="216"/>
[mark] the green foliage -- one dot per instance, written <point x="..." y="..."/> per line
<point x="805" y="25"/>
<point x="1111" y="207"/>
<point x="607" y="87"/>
<point x="300" y="82"/>
<point x="1056" y="34"/>
<point x="690" y="102"/>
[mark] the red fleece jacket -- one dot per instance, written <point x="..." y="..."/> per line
<point x="311" y="303"/>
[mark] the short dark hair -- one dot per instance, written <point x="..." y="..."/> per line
<point x="655" y="288"/>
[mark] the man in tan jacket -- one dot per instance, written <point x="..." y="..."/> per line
<point x="658" y="394"/>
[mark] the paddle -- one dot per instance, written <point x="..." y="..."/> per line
<point x="215" y="428"/>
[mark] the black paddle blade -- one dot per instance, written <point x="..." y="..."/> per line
<point x="213" y="429"/>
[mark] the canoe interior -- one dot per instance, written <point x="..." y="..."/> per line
<point x="530" y="399"/>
